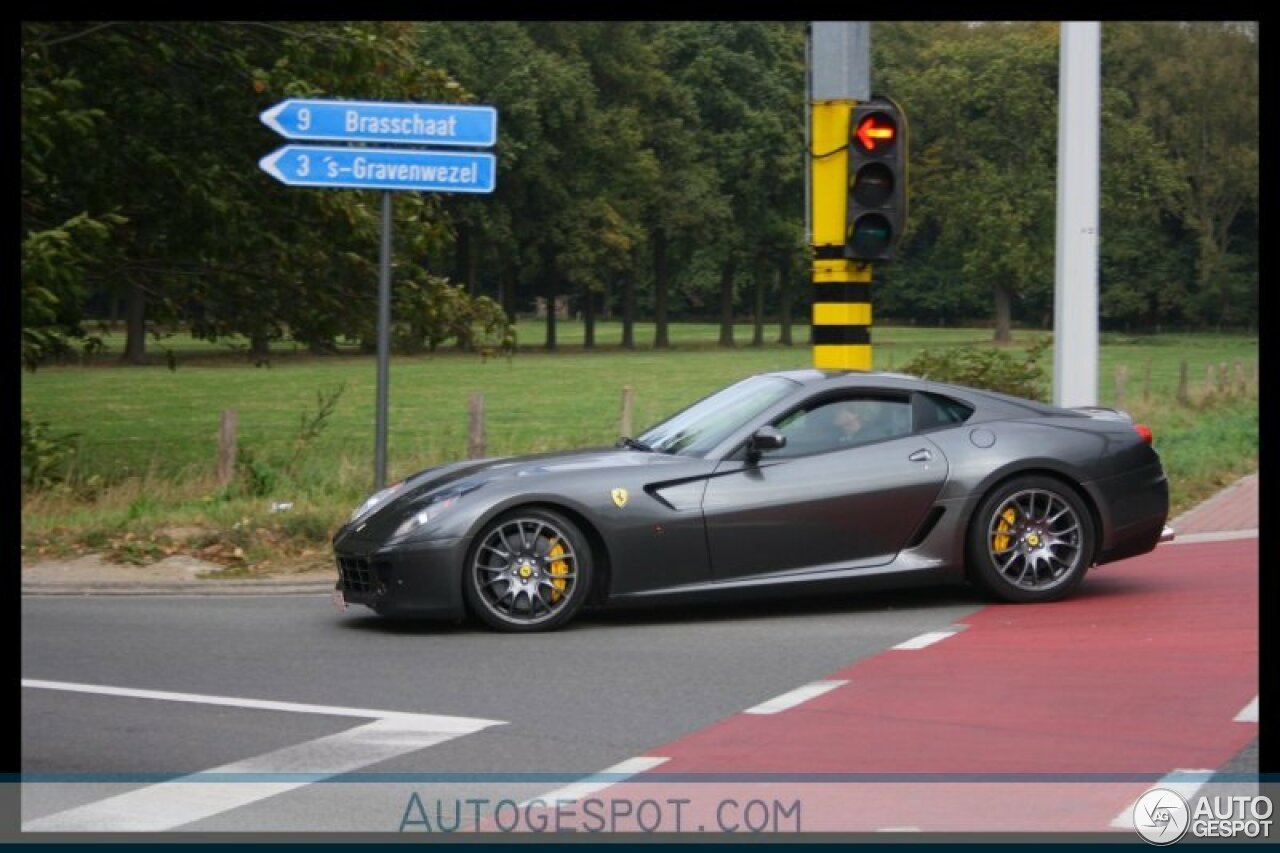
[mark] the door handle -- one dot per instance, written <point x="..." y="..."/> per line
<point x="921" y="455"/>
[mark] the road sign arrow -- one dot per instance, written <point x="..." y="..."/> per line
<point x="270" y="118"/>
<point x="340" y="167"/>
<point x="268" y="164"/>
<point x="383" y="121"/>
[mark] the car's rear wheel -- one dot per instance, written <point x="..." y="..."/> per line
<point x="529" y="570"/>
<point x="1032" y="539"/>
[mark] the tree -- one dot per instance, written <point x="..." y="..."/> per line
<point x="1196" y="88"/>
<point x="984" y="143"/>
<point x="210" y="241"/>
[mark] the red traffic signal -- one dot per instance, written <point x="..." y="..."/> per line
<point x="875" y="131"/>
<point x="877" y="200"/>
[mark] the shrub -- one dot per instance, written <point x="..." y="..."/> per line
<point x="46" y="457"/>
<point x="1019" y="374"/>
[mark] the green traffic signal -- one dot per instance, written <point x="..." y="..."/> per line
<point x="870" y="236"/>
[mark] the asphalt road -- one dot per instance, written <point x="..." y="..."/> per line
<point x="599" y="693"/>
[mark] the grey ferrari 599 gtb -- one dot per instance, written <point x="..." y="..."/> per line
<point x="793" y="481"/>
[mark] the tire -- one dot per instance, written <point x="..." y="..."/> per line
<point x="1031" y="540"/>
<point x="528" y="570"/>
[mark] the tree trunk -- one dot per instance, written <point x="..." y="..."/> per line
<point x="629" y="312"/>
<point x="551" y="312"/>
<point x="784" y="304"/>
<point x="463" y="262"/>
<point x="757" y="336"/>
<point x="508" y="295"/>
<point x="660" y="273"/>
<point x="588" y="319"/>
<point x="726" y="300"/>
<point x="1004" y="304"/>
<point x="135" y="347"/>
<point x="259" y="347"/>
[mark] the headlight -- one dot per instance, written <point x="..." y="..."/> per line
<point x="438" y="507"/>
<point x="374" y="500"/>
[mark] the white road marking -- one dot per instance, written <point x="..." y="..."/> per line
<point x="462" y="725"/>
<point x="1249" y="713"/>
<point x="1219" y="536"/>
<point x="898" y="829"/>
<point x="169" y="805"/>
<point x="1175" y="782"/>
<point x="792" y="698"/>
<point x="594" y="784"/>
<point x="924" y="640"/>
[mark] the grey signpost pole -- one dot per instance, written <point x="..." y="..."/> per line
<point x="384" y="347"/>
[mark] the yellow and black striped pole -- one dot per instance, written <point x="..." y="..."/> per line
<point x="841" y="287"/>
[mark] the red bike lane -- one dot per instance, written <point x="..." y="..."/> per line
<point x="1051" y="717"/>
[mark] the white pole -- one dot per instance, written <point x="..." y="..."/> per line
<point x="1075" y="300"/>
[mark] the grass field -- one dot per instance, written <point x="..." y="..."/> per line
<point x="147" y="440"/>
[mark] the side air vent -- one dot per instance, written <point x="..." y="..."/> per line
<point x="926" y="526"/>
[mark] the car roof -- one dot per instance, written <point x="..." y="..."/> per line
<point x="993" y="402"/>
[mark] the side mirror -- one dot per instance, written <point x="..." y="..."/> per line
<point x="765" y="438"/>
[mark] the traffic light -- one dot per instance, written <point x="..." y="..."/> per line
<point x="877" y="207"/>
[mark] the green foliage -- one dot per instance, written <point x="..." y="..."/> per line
<point x="995" y="369"/>
<point x="46" y="456"/>
<point x="434" y="311"/>
<point x="258" y="478"/>
<point x="312" y="424"/>
<point x="653" y="167"/>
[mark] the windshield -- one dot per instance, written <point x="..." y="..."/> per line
<point x="697" y="429"/>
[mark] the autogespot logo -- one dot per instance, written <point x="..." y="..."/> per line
<point x="1161" y="816"/>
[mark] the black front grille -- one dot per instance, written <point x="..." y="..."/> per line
<point x="355" y="574"/>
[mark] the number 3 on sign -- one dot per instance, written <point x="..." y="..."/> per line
<point x="304" y="165"/>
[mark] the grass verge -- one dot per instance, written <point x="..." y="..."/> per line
<point x="140" y="485"/>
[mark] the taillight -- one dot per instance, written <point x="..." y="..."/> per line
<point x="1144" y="432"/>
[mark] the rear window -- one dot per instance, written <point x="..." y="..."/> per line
<point x="935" y="410"/>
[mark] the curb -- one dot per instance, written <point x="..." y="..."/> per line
<point x="268" y="586"/>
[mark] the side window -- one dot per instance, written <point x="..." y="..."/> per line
<point x="840" y="423"/>
<point x="934" y="410"/>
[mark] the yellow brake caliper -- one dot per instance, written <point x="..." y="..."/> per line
<point x="559" y="570"/>
<point x="1001" y="540"/>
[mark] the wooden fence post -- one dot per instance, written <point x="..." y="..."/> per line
<point x="628" y="402"/>
<point x="1208" y="378"/>
<point x="1182" y="383"/>
<point x="227" y="447"/>
<point x="475" y="427"/>
<point x="1122" y="379"/>
<point x="1240" y="385"/>
<point x="1224" y="379"/>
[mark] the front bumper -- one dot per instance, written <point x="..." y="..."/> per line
<point x="410" y="579"/>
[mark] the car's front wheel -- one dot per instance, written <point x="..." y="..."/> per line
<point x="1032" y="539"/>
<point x="529" y="570"/>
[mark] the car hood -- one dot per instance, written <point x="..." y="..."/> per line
<point x="422" y="487"/>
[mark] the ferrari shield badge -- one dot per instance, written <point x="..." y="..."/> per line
<point x="620" y="497"/>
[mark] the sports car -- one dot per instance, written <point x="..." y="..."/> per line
<point x="795" y="481"/>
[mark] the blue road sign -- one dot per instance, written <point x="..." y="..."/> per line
<point x="381" y="121"/>
<point x="381" y="168"/>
